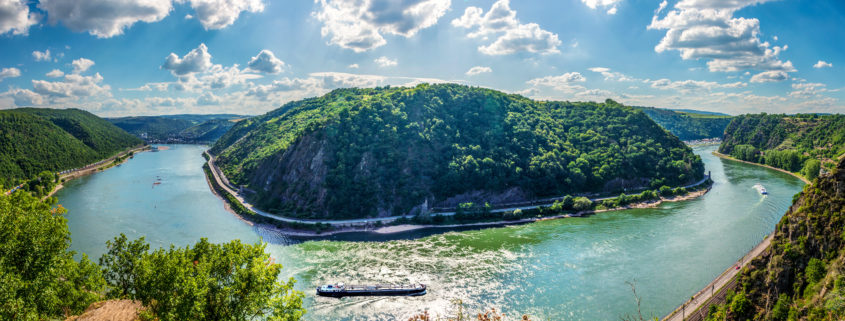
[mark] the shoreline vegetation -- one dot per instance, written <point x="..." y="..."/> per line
<point x="465" y="215"/>
<point x="47" y="183"/>
<point x="728" y="157"/>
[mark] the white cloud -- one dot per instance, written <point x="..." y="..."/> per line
<point x="661" y="7"/>
<point x="197" y="60"/>
<point x="15" y="17"/>
<point x="770" y="76"/>
<point x="41" y="56"/>
<point x="359" y="24"/>
<point x="566" y="82"/>
<point x="822" y="64"/>
<point x="612" y="75"/>
<point x="266" y="62"/>
<point x="612" y="11"/>
<point x="219" y="14"/>
<point x="600" y="3"/>
<point x="708" y="30"/>
<point x="104" y="18"/>
<point x="73" y="86"/>
<point x="353" y="66"/>
<point x="26" y="97"/>
<point x="385" y="62"/>
<point x="513" y="36"/>
<point x="194" y="71"/>
<point x="11" y="72"/>
<point x="81" y="65"/>
<point x="208" y="99"/>
<point x="807" y="89"/>
<point x="478" y="70"/>
<point x="693" y="85"/>
<point x="55" y="73"/>
<point x="219" y="77"/>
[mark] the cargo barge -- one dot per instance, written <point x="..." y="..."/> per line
<point x="341" y="290"/>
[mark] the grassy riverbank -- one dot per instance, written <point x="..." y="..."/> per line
<point x="728" y="157"/>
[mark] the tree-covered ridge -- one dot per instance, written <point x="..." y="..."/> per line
<point x="35" y="140"/>
<point x="382" y="151"/>
<point x="688" y="125"/>
<point x="802" y="275"/>
<point x="797" y="143"/>
<point x="177" y="128"/>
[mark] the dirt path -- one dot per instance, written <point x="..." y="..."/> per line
<point x="112" y="310"/>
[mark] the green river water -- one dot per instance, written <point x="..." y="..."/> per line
<point x="567" y="269"/>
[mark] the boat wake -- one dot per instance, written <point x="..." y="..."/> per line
<point x="760" y="189"/>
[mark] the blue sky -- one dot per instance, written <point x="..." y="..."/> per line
<point x="146" y="57"/>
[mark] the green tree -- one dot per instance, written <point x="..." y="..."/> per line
<point x="206" y="281"/>
<point x="39" y="279"/>
<point x="811" y="169"/>
<point x="121" y="263"/>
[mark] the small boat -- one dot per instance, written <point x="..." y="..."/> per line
<point x="763" y="191"/>
<point x="341" y="290"/>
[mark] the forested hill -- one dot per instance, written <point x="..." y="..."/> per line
<point x="34" y="140"/>
<point x="802" y="275"/>
<point x="383" y="151"/>
<point x="687" y="124"/>
<point x="797" y="143"/>
<point x="178" y="128"/>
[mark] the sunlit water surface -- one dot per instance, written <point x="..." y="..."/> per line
<point x="568" y="269"/>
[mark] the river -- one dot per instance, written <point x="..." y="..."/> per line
<point x="568" y="269"/>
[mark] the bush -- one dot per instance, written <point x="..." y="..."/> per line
<point x="665" y="190"/>
<point x="811" y="169"/>
<point x="815" y="270"/>
<point x="740" y="306"/>
<point x="229" y="281"/>
<point x="582" y="204"/>
<point x="781" y="310"/>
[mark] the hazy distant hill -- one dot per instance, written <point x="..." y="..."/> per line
<point x="368" y="152"/>
<point x="689" y="124"/>
<point x="34" y="140"/>
<point x="178" y="128"/>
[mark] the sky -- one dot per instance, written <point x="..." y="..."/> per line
<point x="151" y="57"/>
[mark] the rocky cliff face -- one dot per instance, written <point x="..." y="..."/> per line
<point x="801" y="276"/>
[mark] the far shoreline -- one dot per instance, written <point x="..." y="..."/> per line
<point x="404" y="228"/>
<point x="104" y="166"/>
<point x="728" y="157"/>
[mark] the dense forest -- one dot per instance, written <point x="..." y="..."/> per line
<point x="802" y="275"/>
<point x="383" y="151"/>
<point x="804" y="143"/>
<point x="36" y="140"/>
<point x="178" y="128"/>
<point x="688" y="124"/>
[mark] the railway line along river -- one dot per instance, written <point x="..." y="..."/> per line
<point x="567" y="269"/>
